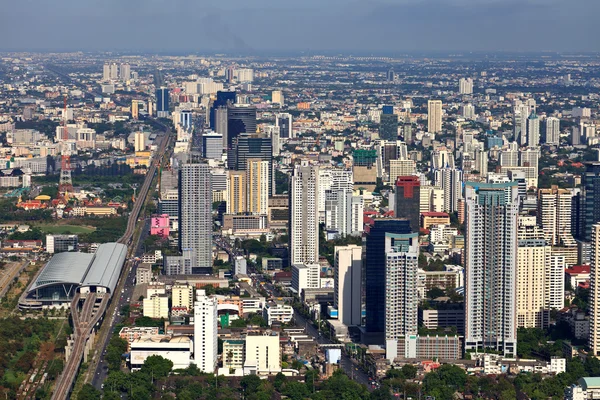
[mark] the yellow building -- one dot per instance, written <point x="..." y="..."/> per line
<point x="236" y="192"/>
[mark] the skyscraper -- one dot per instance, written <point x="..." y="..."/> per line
<point x="465" y="86"/>
<point x="391" y="76"/>
<point x="401" y="299"/>
<point x="552" y="130"/>
<point x="258" y="174"/>
<point x="135" y="110"/>
<point x="195" y="214"/>
<point x="140" y="141"/>
<point x="347" y="284"/>
<point x="434" y="116"/>
<point x="241" y="118"/>
<point x="162" y="103"/>
<point x="408" y="200"/>
<point x="450" y="180"/>
<point x="590" y="209"/>
<point x="250" y="146"/>
<point x="540" y="286"/>
<point x="520" y="121"/>
<point x="285" y="124"/>
<point x="554" y="215"/>
<point x="491" y="266"/>
<point x="224" y="98"/>
<point x="388" y="125"/>
<point x="594" y="296"/>
<point x="205" y="332"/>
<point x="237" y="192"/>
<point x="277" y="98"/>
<point x="375" y="273"/>
<point x="533" y="130"/>
<point x="304" y="216"/>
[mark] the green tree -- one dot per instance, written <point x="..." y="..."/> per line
<point x="250" y="384"/>
<point x="279" y="381"/>
<point x="296" y="391"/>
<point x="382" y="393"/>
<point x="88" y="392"/>
<point x="157" y="367"/>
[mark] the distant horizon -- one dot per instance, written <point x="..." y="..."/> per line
<point x="313" y="53"/>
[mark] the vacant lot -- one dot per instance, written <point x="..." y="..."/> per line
<point x="75" y="229"/>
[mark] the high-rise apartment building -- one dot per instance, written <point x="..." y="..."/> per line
<point x="491" y="267"/>
<point x="375" y="274"/>
<point x="195" y="214"/>
<point x="465" y="86"/>
<point x="520" y="122"/>
<point x="347" y="284"/>
<point x="237" y="192"/>
<point x="450" y="180"/>
<point x="540" y="286"/>
<point x="401" y="298"/>
<point x="206" y="336"/>
<point x="258" y="175"/>
<point x="554" y="215"/>
<point x="252" y="146"/>
<point x="140" y="141"/>
<point x="277" y="97"/>
<point x="304" y="215"/>
<point x="533" y="130"/>
<point x="594" y="297"/>
<point x="408" y="200"/>
<point x="434" y="116"/>
<point x="552" y="131"/>
<point x="135" y="109"/>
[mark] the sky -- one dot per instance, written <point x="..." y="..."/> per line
<point x="360" y="26"/>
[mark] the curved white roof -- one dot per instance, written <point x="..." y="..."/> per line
<point x="99" y="269"/>
<point x="64" y="268"/>
<point x="106" y="266"/>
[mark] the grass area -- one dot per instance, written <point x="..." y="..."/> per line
<point x="60" y="229"/>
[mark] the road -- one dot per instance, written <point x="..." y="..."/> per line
<point x="350" y="368"/>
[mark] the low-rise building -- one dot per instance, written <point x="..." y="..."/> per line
<point x="131" y="333"/>
<point x="278" y="312"/>
<point x="177" y="349"/>
<point x="156" y="306"/>
<point x="262" y="354"/>
<point x="233" y="353"/>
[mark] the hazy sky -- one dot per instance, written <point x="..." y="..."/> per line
<point x="306" y="25"/>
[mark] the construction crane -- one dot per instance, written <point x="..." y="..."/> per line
<point x="65" y="184"/>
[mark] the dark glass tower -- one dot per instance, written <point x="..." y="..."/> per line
<point x="162" y="100"/>
<point x="590" y="209"/>
<point x="240" y="119"/>
<point x="223" y="99"/>
<point x="388" y="127"/>
<point x="408" y="200"/>
<point x="374" y="271"/>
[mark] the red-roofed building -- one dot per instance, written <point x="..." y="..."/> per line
<point x="577" y="274"/>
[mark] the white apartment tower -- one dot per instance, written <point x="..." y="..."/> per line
<point x="491" y="267"/>
<point x="401" y="298"/>
<point x="533" y="130"/>
<point x="205" y="332"/>
<point x="347" y="284"/>
<point x="465" y="86"/>
<point x="552" y="130"/>
<point x="434" y="116"/>
<point x="554" y="215"/>
<point x="594" y="341"/>
<point x="450" y="180"/>
<point x="304" y="217"/>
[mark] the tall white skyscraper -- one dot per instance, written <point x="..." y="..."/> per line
<point x="347" y="284"/>
<point x="195" y="214"/>
<point x="106" y="72"/>
<point x="304" y="218"/>
<point x="401" y="298"/>
<point x="594" y="297"/>
<point x="205" y="332"/>
<point x="450" y="180"/>
<point x="491" y="267"/>
<point x="434" y="116"/>
<point x="465" y="86"/>
<point x="332" y="179"/>
<point x="520" y="119"/>
<point x="554" y="215"/>
<point x="552" y="130"/>
<point x="125" y="72"/>
<point x="533" y="130"/>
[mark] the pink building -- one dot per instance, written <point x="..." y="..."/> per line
<point x="159" y="225"/>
